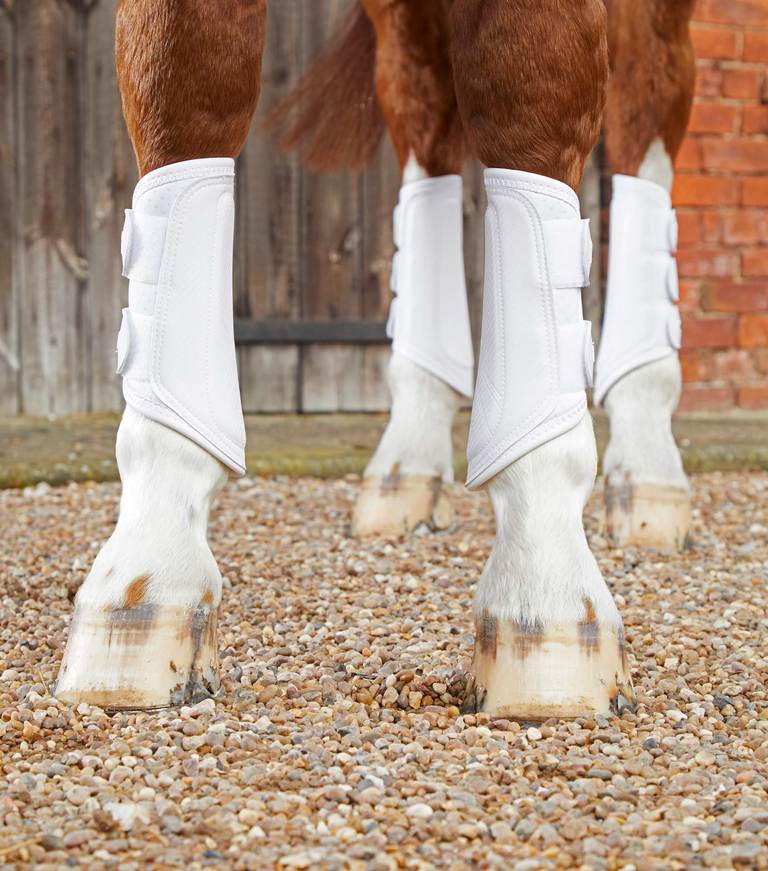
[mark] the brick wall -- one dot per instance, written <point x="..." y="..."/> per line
<point x="721" y="194"/>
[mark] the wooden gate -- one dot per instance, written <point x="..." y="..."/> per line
<point x="312" y="251"/>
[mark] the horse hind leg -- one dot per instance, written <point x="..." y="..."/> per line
<point x="549" y="640"/>
<point x="647" y="496"/>
<point x="432" y="361"/>
<point x="143" y="633"/>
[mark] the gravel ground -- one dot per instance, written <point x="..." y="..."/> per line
<point x="338" y="742"/>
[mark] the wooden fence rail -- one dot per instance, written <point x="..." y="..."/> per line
<point x="312" y="251"/>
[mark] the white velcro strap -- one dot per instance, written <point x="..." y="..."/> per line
<point x="673" y="231"/>
<point x="569" y="252"/>
<point x="393" y="278"/>
<point x="576" y="352"/>
<point x="134" y="345"/>
<point x="392" y="318"/>
<point x="589" y="355"/>
<point x="673" y="282"/>
<point x="674" y="329"/>
<point x="141" y="245"/>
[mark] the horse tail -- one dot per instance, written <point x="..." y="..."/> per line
<point x="332" y="118"/>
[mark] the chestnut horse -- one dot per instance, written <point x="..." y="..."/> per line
<point x="523" y="86"/>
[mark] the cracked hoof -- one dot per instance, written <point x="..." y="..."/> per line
<point x="397" y="504"/>
<point x="647" y="515"/>
<point x="135" y="658"/>
<point x="530" y="673"/>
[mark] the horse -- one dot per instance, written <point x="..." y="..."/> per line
<point x="524" y="86"/>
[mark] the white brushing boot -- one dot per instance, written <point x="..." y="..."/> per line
<point x="431" y="367"/>
<point x="647" y="495"/>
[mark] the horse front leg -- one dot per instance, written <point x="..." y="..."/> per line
<point x="143" y="633"/>
<point x="432" y="361"/>
<point x="647" y="497"/>
<point x="530" y="79"/>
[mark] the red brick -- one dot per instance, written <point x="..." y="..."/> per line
<point x="707" y="262"/>
<point x="742" y="84"/>
<point x="718" y="43"/>
<point x="734" y="365"/>
<point x="707" y="398"/>
<point x="712" y="224"/>
<point x="754" y="263"/>
<point x="753" y="331"/>
<point x="713" y="117"/>
<point x="735" y="298"/>
<point x="709" y="332"/>
<point x="689" y="228"/>
<point x="755" y="192"/>
<point x="760" y="356"/>
<point x="735" y="155"/>
<point x="696" y="366"/>
<point x="755" y="119"/>
<point x="756" y="47"/>
<point x="690" y="292"/>
<point x="705" y="190"/>
<point x="753" y="397"/>
<point x="741" y="12"/>
<point x="744" y="226"/>
<point x="689" y="156"/>
<point x="731" y="366"/>
<point x="709" y="81"/>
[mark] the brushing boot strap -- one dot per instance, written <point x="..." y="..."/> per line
<point x="642" y="320"/>
<point x="429" y="316"/>
<point x="176" y="348"/>
<point x="536" y="353"/>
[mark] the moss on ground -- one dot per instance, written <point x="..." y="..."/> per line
<point x="81" y="448"/>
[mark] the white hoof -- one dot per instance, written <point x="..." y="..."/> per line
<point x="143" y="634"/>
<point x="549" y="640"/>
<point x="396" y="505"/>
<point x="139" y="657"/>
<point x="403" y="483"/>
<point x="532" y="672"/>
<point x="647" y="495"/>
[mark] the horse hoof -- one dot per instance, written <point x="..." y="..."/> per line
<point x="137" y="658"/>
<point x="530" y="673"/>
<point x="396" y="505"/>
<point x="647" y="515"/>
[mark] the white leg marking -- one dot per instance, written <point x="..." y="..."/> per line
<point x="642" y="447"/>
<point x="413" y="170"/>
<point x="541" y="569"/>
<point x="403" y="483"/>
<point x="657" y="166"/>
<point x="417" y="440"/>
<point x="143" y="633"/>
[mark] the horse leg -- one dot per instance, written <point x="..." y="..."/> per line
<point x="432" y="361"/>
<point x="144" y="629"/>
<point x="530" y="79"/>
<point x="647" y="497"/>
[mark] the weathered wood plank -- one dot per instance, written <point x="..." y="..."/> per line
<point x="9" y="324"/>
<point x="110" y="176"/>
<point x="268" y="238"/>
<point x="332" y="252"/>
<point x="49" y="74"/>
